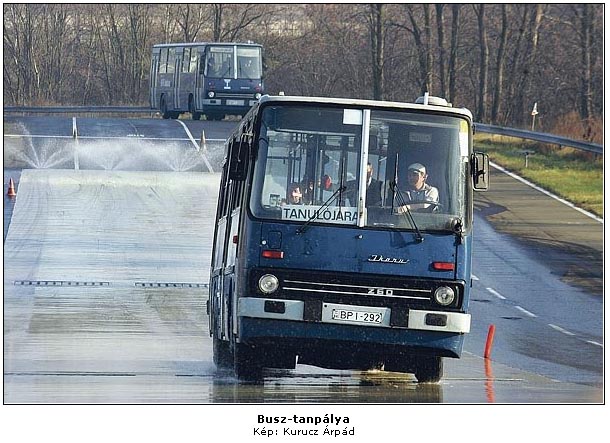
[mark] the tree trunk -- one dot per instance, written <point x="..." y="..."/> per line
<point x="376" y="32"/>
<point x="497" y="93"/>
<point x="440" y="23"/>
<point x="455" y="25"/>
<point x="484" y="64"/>
<point x="586" y="35"/>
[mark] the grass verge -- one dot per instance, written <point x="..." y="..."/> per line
<point x="574" y="175"/>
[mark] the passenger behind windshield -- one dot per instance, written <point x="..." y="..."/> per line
<point x="294" y="195"/>
<point x="373" y="189"/>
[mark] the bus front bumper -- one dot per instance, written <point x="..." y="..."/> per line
<point x="293" y="329"/>
<point x="374" y="317"/>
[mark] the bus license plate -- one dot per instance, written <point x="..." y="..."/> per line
<point x="235" y="102"/>
<point x="357" y="316"/>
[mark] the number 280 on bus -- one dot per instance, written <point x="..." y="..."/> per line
<point x="343" y="236"/>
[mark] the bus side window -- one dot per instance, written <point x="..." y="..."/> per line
<point x="186" y="59"/>
<point x="193" y="61"/>
<point x="171" y="59"/>
<point x="163" y="61"/>
<point x="222" y="206"/>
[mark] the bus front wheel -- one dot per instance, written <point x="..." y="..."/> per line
<point x="428" y="369"/>
<point x="214" y="116"/>
<point x="221" y="353"/>
<point x="246" y="363"/>
<point x="194" y="114"/>
<point x="164" y="111"/>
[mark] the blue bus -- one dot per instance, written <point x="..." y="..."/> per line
<point x="211" y="79"/>
<point x="326" y="249"/>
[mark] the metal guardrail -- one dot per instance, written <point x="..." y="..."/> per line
<point x="540" y="136"/>
<point x="490" y="129"/>
<point x="77" y="109"/>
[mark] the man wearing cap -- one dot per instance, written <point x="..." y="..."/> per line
<point x="418" y="191"/>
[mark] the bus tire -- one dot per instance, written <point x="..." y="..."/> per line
<point x="221" y="353"/>
<point x="194" y="114"/>
<point x="214" y="116"/>
<point x="246" y="363"/>
<point x="428" y="369"/>
<point x="164" y="111"/>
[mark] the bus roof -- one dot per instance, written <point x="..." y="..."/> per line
<point x="363" y="103"/>
<point x="174" y="45"/>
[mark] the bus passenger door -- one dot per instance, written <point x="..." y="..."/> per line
<point x="217" y="317"/>
<point x="230" y="276"/>
<point x="177" y="71"/>
<point x="200" y="80"/>
<point x="154" y="69"/>
<point x="223" y="287"/>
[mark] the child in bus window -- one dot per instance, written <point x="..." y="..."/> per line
<point x="294" y="195"/>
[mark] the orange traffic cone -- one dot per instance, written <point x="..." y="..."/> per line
<point x="11" y="189"/>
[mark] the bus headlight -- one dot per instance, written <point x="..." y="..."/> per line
<point x="211" y="94"/>
<point x="257" y="95"/>
<point x="444" y="295"/>
<point x="268" y="283"/>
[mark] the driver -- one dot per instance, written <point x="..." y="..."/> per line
<point x="418" y="191"/>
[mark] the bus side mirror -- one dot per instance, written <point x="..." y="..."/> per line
<point x="480" y="171"/>
<point x="238" y="160"/>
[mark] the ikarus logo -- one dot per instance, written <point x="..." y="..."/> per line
<point x="227" y="81"/>
<point x="381" y="259"/>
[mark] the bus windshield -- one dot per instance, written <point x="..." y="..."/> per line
<point x="220" y="62"/>
<point x="312" y="166"/>
<point x="249" y="64"/>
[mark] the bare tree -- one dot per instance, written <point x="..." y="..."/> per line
<point x="440" y="24"/>
<point x="377" y="48"/>
<point x="230" y="21"/>
<point x="584" y="14"/>
<point x="455" y="26"/>
<point x="422" y="43"/>
<point x="496" y="60"/>
<point x="190" y="19"/>
<point x="481" y="110"/>
<point x="21" y="30"/>
<point x="500" y="61"/>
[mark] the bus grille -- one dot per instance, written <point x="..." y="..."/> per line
<point x="402" y="292"/>
<point x="351" y="288"/>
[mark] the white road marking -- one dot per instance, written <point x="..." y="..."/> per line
<point x="595" y="343"/>
<point x="560" y="329"/>
<point x="190" y="136"/>
<point x="547" y="193"/>
<point x="526" y="312"/>
<point x="474" y="277"/>
<point x="496" y="293"/>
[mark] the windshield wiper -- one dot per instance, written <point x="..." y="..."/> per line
<point x="324" y="206"/>
<point x="407" y="213"/>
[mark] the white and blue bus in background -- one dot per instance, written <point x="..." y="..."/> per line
<point x="308" y="265"/>
<point x="211" y="79"/>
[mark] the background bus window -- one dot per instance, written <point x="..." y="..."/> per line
<point x="248" y="63"/>
<point x="193" y="61"/>
<point x="171" y="59"/>
<point x="219" y="62"/>
<point x="163" y="61"/>
<point x="186" y="59"/>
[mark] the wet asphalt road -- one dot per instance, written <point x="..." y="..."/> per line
<point x="121" y="209"/>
